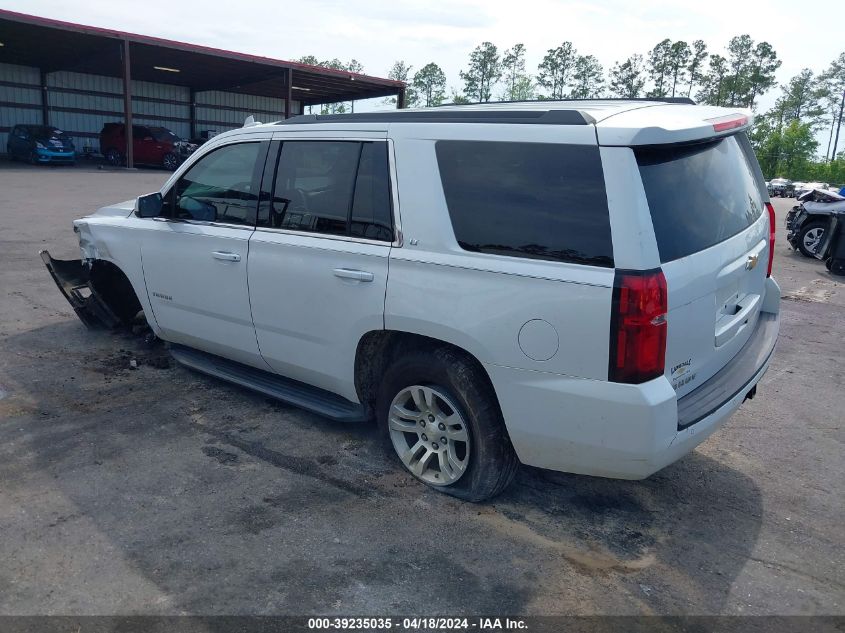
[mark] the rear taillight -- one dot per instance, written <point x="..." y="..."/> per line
<point x="771" y="210"/>
<point x="638" y="326"/>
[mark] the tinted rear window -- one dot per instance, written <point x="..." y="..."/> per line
<point x="534" y="200"/>
<point x="699" y="195"/>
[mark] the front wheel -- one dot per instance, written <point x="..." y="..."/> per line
<point x="441" y="417"/>
<point x="810" y="237"/>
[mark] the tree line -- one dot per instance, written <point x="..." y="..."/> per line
<point x="784" y="137"/>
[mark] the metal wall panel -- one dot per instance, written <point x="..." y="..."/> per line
<point x="81" y="104"/>
<point x="11" y="115"/>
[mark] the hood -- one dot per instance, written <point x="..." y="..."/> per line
<point x="118" y="210"/>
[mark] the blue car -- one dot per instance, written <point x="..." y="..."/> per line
<point x="40" y="144"/>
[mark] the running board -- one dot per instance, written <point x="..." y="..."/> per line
<point x="293" y="392"/>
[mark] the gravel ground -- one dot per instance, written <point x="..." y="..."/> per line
<point x="161" y="491"/>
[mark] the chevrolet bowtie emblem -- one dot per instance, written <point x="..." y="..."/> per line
<point x="751" y="262"/>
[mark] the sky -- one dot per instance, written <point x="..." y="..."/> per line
<point x="378" y="32"/>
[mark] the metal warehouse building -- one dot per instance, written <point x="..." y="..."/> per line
<point x="79" y="77"/>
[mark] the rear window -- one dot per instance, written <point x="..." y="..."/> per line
<point x="532" y="200"/>
<point x="699" y="195"/>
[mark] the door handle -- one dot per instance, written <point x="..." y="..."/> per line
<point x="226" y="257"/>
<point x="357" y="275"/>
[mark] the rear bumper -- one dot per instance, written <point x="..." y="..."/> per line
<point x="608" y="429"/>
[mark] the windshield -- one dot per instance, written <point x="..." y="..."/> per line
<point x="163" y="134"/>
<point x="699" y="195"/>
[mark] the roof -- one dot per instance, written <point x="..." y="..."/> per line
<point x="53" y="45"/>
<point x="618" y="122"/>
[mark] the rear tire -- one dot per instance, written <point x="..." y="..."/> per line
<point x="458" y="413"/>
<point x="810" y="237"/>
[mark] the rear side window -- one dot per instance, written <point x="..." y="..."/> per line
<point x="699" y="195"/>
<point x="532" y="200"/>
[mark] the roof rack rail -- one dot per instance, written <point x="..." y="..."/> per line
<point x="678" y="100"/>
<point x="537" y="117"/>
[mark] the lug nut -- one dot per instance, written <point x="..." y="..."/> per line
<point x="434" y="445"/>
<point x="424" y="437"/>
<point x="441" y="426"/>
<point x="443" y="441"/>
<point x="431" y="418"/>
<point x="422" y="422"/>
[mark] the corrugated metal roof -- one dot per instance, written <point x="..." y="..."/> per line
<point x="53" y="45"/>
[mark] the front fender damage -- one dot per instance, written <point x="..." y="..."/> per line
<point x="73" y="277"/>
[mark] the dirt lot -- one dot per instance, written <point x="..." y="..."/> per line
<point x="160" y="491"/>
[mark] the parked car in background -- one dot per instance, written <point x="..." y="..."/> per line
<point x="781" y="187"/>
<point x="150" y="146"/>
<point x="40" y="144"/>
<point x="806" y="187"/>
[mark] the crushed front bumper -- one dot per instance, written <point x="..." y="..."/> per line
<point x="72" y="278"/>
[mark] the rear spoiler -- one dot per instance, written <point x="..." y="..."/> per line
<point x="668" y="124"/>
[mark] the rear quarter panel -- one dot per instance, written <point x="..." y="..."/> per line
<point x="481" y="302"/>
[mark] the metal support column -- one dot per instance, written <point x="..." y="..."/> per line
<point x="127" y="104"/>
<point x="288" y="92"/>
<point x="45" y="102"/>
<point x="400" y="99"/>
<point x="192" y="112"/>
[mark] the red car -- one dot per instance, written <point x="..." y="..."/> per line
<point x="151" y="145"/>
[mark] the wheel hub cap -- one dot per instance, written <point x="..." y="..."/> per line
<point x="429" y="435"/>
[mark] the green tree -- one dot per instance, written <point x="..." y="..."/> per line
<point x="587" y="78"/>
<point x="801" y="97"/>
<point x="714" y="86"/>
<point x="761" y="76"/>
<point x="484" y="70"/>
<point x="430" y="85"/>
<point x="695" y="69"/>
<point x="459" y="99"/>
<point x="679" y="57"/>
<point x="400" y="71"/>
<point x="517" y="82"/>
<point x="659" y="68"/>
<point x="627" y="79"/>
<point x="834" y="84"/>
<point x="556" y="69"/>
<point x="740" y="49"/>
<point x="798" y="145"/>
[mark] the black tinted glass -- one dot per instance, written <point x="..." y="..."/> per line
<point x="699" y="195"/>
<point x="534" y="200"/>
<point x="218" y="187"/>
<point x="371" y="208"/>
<point x="314" y="186"/>
<point x="331" y="187"/>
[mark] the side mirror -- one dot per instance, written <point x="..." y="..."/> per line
<point x="149" y="206"/>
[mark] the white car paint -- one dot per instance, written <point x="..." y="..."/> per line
<point x="283" y="307"/>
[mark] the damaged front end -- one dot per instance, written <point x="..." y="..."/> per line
<point x="74" y="280"/>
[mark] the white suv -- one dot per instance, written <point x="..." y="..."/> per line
<point x="580" y="286"/>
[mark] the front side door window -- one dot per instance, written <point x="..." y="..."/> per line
<point x="218" y="187"/>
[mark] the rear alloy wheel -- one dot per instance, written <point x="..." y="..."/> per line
<point x="810" y="238"/>
<point x="113" y="157"/>
<point x="442" y="420"/>
<point x="170" y="161"/>
<point x="429" y="434"/>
